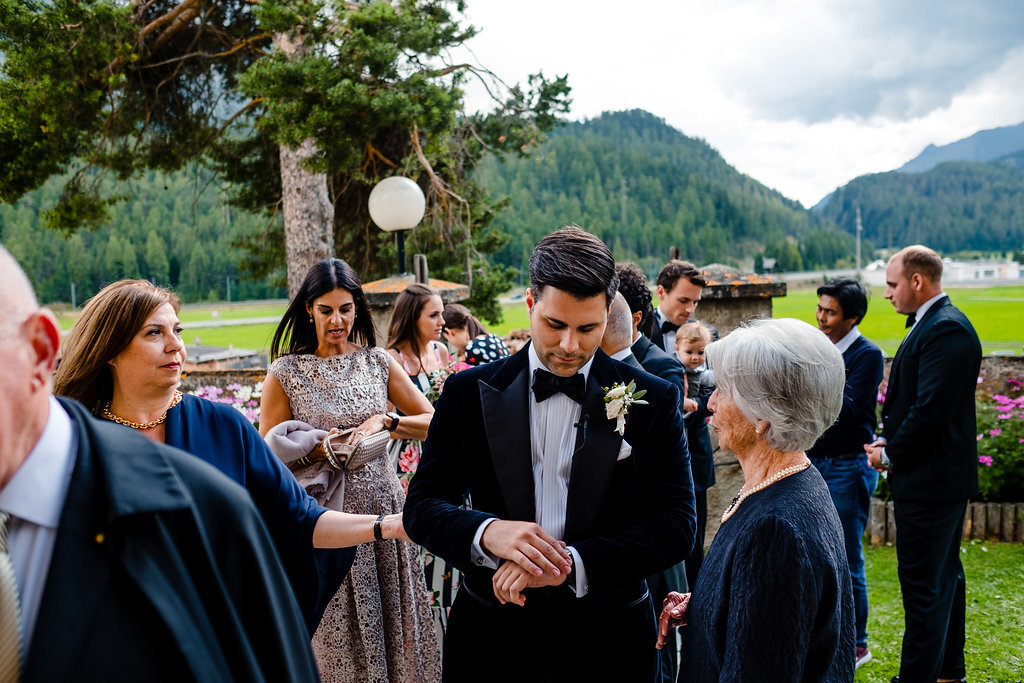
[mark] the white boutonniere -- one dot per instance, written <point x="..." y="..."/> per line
<point x="618" y="400"/>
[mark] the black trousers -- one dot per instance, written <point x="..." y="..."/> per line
<point x="550" y="640"/>
<point x="933" y="586"/>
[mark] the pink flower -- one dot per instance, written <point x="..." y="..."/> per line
<point x="980" y="380"/>
<point x="1004" y="416"/>
<point x="980" y="437"/>
<point x="995" y="432"/>
<point x="985" y="460"/>
<point x="405" y="484"/>
<point x="1020" y="440"/>
<point x="410" y="458"/>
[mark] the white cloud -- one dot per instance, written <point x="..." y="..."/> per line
<point x="799" y="94"/>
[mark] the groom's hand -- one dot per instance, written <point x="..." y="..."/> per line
<point x="527" y="545"/>
<point x="511" y="580"/>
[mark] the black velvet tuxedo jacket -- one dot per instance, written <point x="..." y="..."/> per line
<point x="928" y="417"/>
<point x="627" y="518"/>
<point x="162" y="571"/>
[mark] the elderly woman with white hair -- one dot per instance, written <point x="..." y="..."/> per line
<point x="773" y="600"/>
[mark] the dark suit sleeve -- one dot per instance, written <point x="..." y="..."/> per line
<point x="657" y="529"/>
<point x="942" y="374"/>
<point x="433" y="515"/>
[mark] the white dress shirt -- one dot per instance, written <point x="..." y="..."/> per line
<point x="668" y="338"/>
<point x="924" y="309"/>
<point x="848" y="339"/>
<point x="552" y="442"/>
<point x="34" y="497"/>
<point x="622" y="353"/>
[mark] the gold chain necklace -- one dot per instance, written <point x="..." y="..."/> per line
<point x="141" y="425"/>
<point x="741" y="496"/>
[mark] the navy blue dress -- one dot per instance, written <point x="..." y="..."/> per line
<point x="221" y="436"/>
<point x="773" y="600"/>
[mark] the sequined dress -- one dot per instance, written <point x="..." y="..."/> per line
<point x="378" y="628"/>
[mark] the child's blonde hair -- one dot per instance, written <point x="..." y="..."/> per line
<point x="693" y="332"/>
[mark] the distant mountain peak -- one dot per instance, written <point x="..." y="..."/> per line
<point x="985" y="145"/>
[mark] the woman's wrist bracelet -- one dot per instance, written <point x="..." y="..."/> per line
<point x="378" y="534"/>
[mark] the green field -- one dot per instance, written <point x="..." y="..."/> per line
<point x="996" y="312"/>
<point x="995" y="612"/>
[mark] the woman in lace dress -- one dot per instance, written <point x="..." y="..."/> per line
<point x="329" y="373"/>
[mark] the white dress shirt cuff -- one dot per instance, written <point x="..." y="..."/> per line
<point x="581" y="587"/>
<point x="477" y="554"/>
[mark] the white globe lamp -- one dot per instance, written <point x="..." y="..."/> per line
<point x="397" y="204"/>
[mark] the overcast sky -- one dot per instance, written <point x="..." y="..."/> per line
<point x="803" y="95"/>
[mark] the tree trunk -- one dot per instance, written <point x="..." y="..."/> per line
<point x="308" y="211"/>
<point x="308" y="214"/>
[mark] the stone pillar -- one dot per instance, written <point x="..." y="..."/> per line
<point x="381" y="295"/>
<point x="730" y="298"/>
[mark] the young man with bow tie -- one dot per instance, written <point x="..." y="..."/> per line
<point x="679" y="287"/>
<point x="568" y="514"/>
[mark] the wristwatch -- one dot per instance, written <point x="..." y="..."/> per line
<point x="395" y="418"/>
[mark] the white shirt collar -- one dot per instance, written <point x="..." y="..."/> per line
<point x="37" y="490"/>
<point x="848" y="339"/>
<point x="535" y="364"/>
<point x="622" y="353"/>
<point x="924" y="309"/>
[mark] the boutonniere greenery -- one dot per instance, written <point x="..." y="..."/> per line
<point x="618" y="400"/>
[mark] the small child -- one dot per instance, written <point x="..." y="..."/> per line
<point x="691" y="339"/>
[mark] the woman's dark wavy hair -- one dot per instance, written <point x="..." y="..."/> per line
<point x="408" y="306"/>
<point x="296" y="332"/>
<point x="457" y="316"/>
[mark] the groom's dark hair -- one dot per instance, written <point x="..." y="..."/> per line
<point x="574" y="261"/>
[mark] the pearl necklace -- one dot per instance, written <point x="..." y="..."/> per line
<point x="741" y="496"/>
<point x="141" y="425"/>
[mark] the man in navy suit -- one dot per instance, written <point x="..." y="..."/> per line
<point x="839" y="452"/>
<point x="530" y="439"/>
<point x="930" y="451"/>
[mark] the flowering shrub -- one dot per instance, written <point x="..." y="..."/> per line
<point x="243" y="398"/>
<point x="1001" y="446"/>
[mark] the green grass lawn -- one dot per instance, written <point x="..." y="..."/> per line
<point x="997" y="314"/>
<point x="995" y="613"/>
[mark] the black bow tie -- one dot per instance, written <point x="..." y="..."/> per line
<point x="547" y="384"/>
<point x="667" y="327"/>
<point x="911" y="319"/>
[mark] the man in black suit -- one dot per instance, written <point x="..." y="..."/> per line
<point x="531" y="440"/>
<point x="128" y="559"/>
<point x="930" y="450"/>
<point x="679" y="287"/>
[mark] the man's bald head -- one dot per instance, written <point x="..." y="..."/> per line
<point x="29" y="340"/>
<point x="18" y="299"/>
<point x="618" y="334"/>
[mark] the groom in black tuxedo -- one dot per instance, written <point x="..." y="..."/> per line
<point x="568" y="516"/>
<point x="931" y="453"/>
